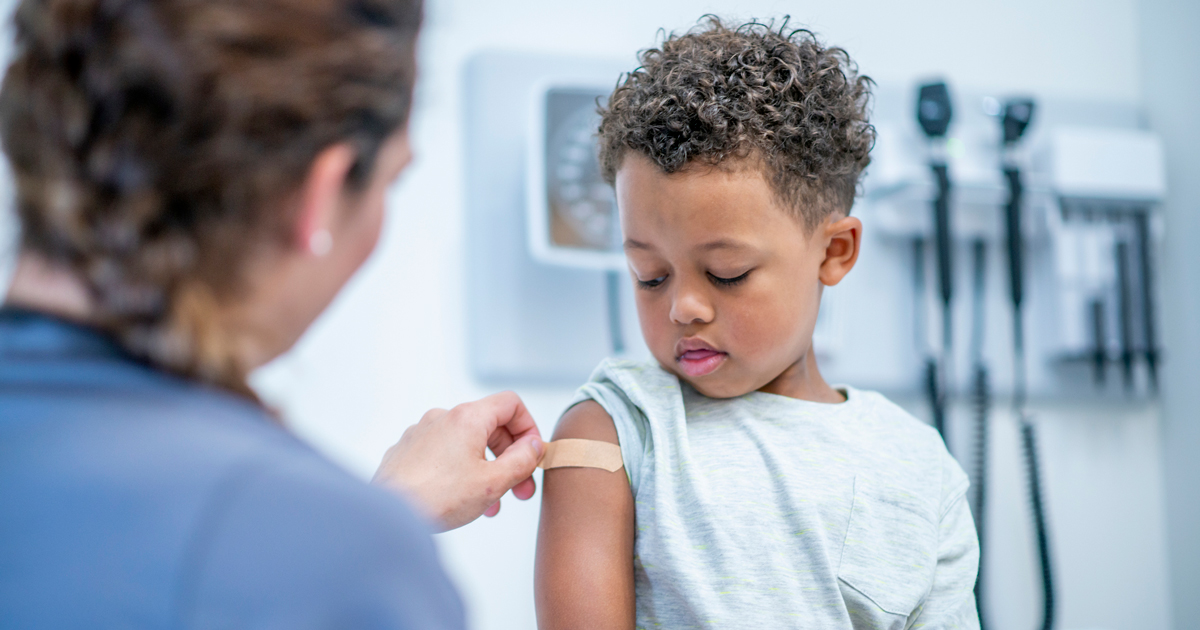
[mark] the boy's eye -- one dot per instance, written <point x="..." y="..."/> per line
<point x="650" y="284"/>
<point x="728" y="282"/>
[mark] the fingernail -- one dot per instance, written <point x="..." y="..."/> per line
<point x="538" y="446"/>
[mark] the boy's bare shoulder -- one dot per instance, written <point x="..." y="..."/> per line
<point x="586" y="420"/>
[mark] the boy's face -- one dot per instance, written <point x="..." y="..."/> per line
<point x="728" y="282"/>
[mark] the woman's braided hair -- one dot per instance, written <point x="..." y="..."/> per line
<point x="718" y="93"/>
<point x="153" y="143"/>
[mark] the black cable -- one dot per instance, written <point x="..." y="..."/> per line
<point x="1039" y="518"/>
<point x="981" y="403"/>
<point x="1032" y="471"/>
<point x="1013" y="236"/>
<point x="1012" y="211"/>
<point x="1016" y="280"/>
<point x="945" y="260"/>
<point x="945" y="250"/>
<point x="933" y="393"/>
<point x="978" y="298"/>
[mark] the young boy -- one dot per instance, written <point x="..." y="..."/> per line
<point x="754" y="495"/>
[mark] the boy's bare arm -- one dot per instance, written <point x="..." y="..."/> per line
<point x="584" y="571"/>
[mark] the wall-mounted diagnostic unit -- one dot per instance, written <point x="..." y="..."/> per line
<point x="1064" y="194"/>
<point x="571" y="212"/>
<point x="1087" y="178"/>
<point x="548" y="294"/>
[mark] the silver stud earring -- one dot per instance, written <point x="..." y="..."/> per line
<point x="320" y="243"/>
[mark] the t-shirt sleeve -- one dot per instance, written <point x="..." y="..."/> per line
<point x="633" y="434"/>
<point x="951" y="601"/>
<point x="295" y="549"/>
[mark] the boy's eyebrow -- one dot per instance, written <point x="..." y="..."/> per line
<point x="721" y="243"/>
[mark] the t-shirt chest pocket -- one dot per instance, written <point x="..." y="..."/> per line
<point x="890" y="552"/>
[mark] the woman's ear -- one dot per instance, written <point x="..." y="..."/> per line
<point x="320" y="199"/>
<point x="842" y="237"/>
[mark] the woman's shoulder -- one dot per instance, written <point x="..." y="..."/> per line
<point x="281" y="528"/>
<point x="217" y="446"/>
<point x="288" y="531"/>
<point x="77" y="408"/>
<point x="102" y="425"/>
<point x="117" y="473"/>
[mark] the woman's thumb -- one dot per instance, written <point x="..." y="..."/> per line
<point x="518" y="461"/>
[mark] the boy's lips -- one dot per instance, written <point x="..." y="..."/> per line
<point x="697" y="358"/>
<point x="700" y="362"/>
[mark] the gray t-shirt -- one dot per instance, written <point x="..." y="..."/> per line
<point x="764" y="511"/>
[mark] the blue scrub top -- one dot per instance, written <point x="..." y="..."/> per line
<point x="133" y="499"/>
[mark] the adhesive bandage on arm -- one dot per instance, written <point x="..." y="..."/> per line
<point x="582" y="454"/>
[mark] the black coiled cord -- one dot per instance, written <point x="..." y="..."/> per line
<point x="1039" y="518"/>
<point x="1012" y="213"/>
<point x="981" y="402"/>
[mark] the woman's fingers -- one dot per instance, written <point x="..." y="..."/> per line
<point x="525" y="490"/>
<point x="501" y="440"/>
<point x="507" y="410"/>
<point x="439" y="463"/>
<point x="515" y="465"/>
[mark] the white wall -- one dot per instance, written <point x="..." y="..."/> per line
<point x="1171" y="86"/>
<point x="394" y="343"/>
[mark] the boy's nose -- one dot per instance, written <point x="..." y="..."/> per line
<point x="690" y="307"/>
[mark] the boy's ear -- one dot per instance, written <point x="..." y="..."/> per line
<point x="842" y="237"/>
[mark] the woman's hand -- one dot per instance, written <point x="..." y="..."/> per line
<point x="440" y="462"/>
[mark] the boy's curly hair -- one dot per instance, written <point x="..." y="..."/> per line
<point x="720" y="93"/>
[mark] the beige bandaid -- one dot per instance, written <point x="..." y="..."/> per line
<point x="582" y="454"/>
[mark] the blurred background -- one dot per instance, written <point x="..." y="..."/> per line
<point x="495" y="272"/>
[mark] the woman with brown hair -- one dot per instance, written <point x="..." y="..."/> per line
<point x="196" y="180"/>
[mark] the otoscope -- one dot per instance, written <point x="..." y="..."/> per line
<point x="933" y="114"/>
<point x="1015" y="119"/>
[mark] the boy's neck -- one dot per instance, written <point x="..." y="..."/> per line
<point x="802" y="380"/>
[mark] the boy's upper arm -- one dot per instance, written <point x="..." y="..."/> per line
<point x="584" y="576"/>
